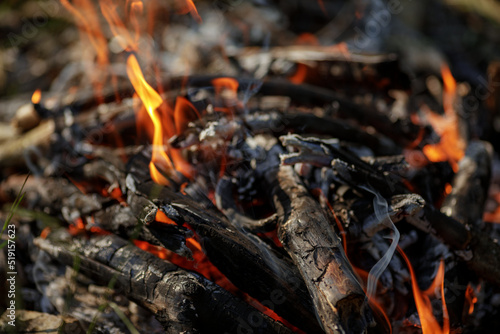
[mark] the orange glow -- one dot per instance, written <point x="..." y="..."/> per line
<point x="116" y="194"/>
<point x="99" y="231"/>
<point x="78" y="227"/>
<point x="155" y="250"/>
<point x="492" y="217"/>
<point x="36" y="97"/>
<point x="136" y="9"/>
<point x="470" y="298"/>
<point x="307" y="39"/>
<point x="222" y="84"/>
<point x="189" y="7"/>
<point x="227" y="90"/>
<point x="88" y="23"/>
<point x="270" y="313"/>
<point x="151" y="100"/>
<point x="162" y="218"/>
<point x="448" y="188"/>
<point x="118" y="28"/>
<point x="184" y="113"/>
<point x="451" y="147"/>
<point x="300" y="74"/>
<point x="45" y="233"/>
<point x="424" y="308"/>
<point x="450" y="88"/>
<point x="322" y="6"/>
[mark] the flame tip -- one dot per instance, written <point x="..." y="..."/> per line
<point x="36" y="97"/>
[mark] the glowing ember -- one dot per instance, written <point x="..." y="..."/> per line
<point x="222" y="84"/>
<point x="36" y="97"/>
<point x="451" y="147"/>
<point x="151" y="100"/>
<point x="448" y="188"/>
<point x="307" y="39"/>
<point x="162" y="217"/>
<point x="300" y="74"/>
<point x="77" y="228"/>
<point x="424" y="308"/>
<point x="493" y="216"/>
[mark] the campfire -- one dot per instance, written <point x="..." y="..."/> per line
<point x="252" y="167"/>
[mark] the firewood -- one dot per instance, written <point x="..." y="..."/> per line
<point x="402" y="131"/>
<point x="475" y="247"/>
<point x="182" y="301"/>
<point x="266" y="272"/>
<point x="317" y="251"/>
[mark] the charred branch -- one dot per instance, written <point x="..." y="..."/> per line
<point x="308" y="238"/>
<point x="181" y="300"/>
<point x="266" y="272"/>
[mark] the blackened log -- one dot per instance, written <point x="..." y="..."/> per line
<point x="470" y="185"/>
<point x="402" y="131"/>
<point x="183" y="301"/>
<point x="122" y="221"/>
<point x="476" y="248"/>
<point x="254" y="268"/>
<point x="465" y="203"/>
<point x="300" y="122"/>
<point x="347" y="166"/>
<point x="309" y="239"/>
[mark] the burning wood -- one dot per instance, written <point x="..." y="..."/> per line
<point x="307" y="186"/>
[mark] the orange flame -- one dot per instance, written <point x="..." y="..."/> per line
<point x="227" y="90"/>
<point x="451" y="147"/>
<point x="118" y="28"/>
<point x="136" y="9"/>
<point x="471" y="299"/>
<point x="184" y="113"/>
<point x="88" y="23"/>
<point x="424" y="308"/>
<point x="189" y="7"/>
<point x="36" y="97"/>
<point x="151" y="100"/>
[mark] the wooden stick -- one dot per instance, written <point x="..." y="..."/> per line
<point x="317" y="251"/>
<point x="253" y="267"/>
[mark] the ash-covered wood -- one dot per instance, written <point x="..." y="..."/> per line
<point x="307" y="236"/>
<point x="182" y="301"/>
